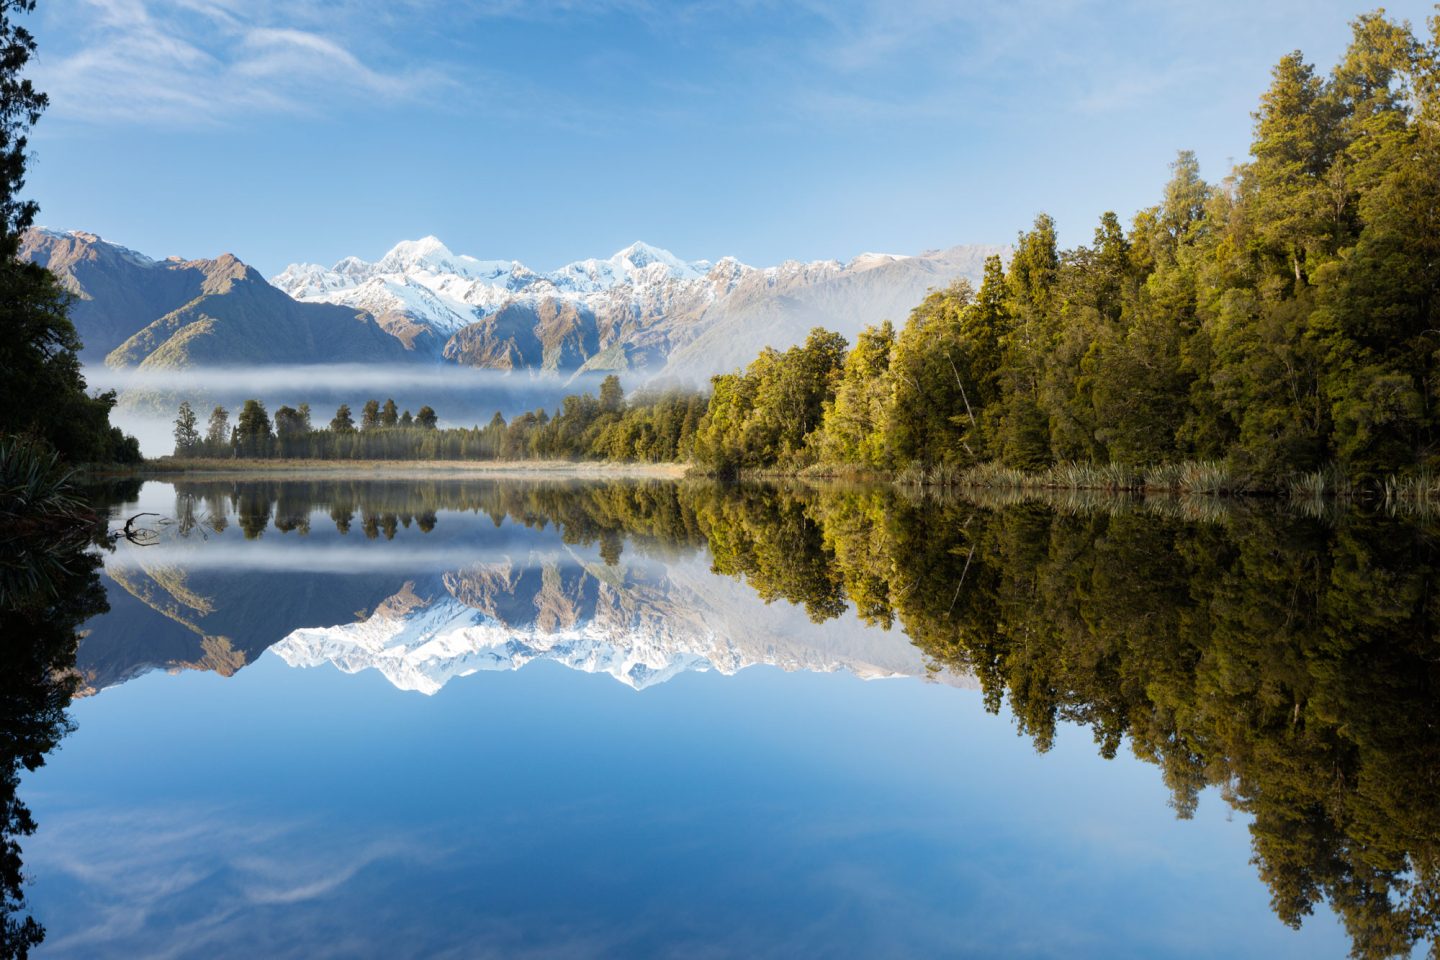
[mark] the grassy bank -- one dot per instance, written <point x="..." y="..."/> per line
<point x="1330" y="484"/>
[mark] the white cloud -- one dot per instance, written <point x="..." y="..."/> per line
<point x="203" y="62"/>
<point x="134" y="870"/>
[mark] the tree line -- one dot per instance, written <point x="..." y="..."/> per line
<point x="1280" y="327"/>
<point x="656" y="426"/>
<point x="1283" y="320"/>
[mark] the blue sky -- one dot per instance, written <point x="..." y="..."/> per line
<point x="560" y="129"/>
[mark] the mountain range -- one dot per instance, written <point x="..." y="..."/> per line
<point x="642" y="310"/>
<point x="641" y="623"/>
<point x="132" y="311"/>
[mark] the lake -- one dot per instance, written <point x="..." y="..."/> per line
<point x="643" y="718"/>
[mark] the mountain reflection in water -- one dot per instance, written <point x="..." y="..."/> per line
<point x="1290" y="661"/>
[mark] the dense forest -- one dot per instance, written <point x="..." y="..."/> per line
<point x="1283" y="321"/>
<point x="1280" y="326"/>
<point x="655" y="426"/>
<point x="1288" y="660"/>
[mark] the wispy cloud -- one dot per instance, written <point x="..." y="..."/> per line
<point x="933" y="59"/>
<point x="208" y="62"/>
<point x="205" y="62"/>
<point x="134" y="870"/>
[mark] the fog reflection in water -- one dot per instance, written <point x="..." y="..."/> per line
<point x="1283" y="666"/>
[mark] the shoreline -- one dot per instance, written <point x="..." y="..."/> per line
<point x="415" y="469"/>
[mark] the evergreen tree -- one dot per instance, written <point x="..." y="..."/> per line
<point x="252" y="431"/>
<point x="388" y="415"/>
<point x="612" y="397"/>
<point x="426" y="418"/>
<point x="342" y="422"/>
<point x="1022" y="429"/>
<point x="853" y="429"/>
<point x="187" y="436"/>
<point x="928" y="413"/>
<point x="217" y="433"/>
<point x="370" y="415"/>
<point x="42" y="391"/>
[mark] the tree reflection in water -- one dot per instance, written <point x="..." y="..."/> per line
<point x="49" y="586"/>
<point x="1291" y="661"/>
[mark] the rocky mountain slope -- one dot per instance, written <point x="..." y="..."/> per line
<point x="132" y="311"/>
<point x="642" y="309"/>
<point x="641" y="624"/>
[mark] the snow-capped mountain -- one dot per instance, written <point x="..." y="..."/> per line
<point x="424" y="280"/>
<point x="642" y="309"/>
<point x="640" y="624"/>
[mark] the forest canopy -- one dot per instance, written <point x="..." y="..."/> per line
<point x="1281" y="323"/>
<point x="1281" y="320"/>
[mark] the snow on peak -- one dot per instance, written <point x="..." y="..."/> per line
<point x="642" y="254"/>
<point x="646" y="627"/>
<point x="427" y="254"/>
<point x="868" y="261"/>
<point x="426" y="281"/>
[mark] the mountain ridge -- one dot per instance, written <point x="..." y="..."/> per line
<point x="135" y="311"/>
<point x="641" y="312"/>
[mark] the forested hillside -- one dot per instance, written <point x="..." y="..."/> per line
<point x="1279" y="326"/>
<point x="1281" y="321"/>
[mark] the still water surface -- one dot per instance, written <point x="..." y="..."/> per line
<point x="471" y="719"/>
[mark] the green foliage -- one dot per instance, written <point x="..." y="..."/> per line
<point x="853" y="427"/>
<point x="42" y="392"/>
<point x="217" y="430"/>
<point x="34" y="482"/>
<point x="342" y="422"/>
<point x="252" y="433"/>
<point x="612" y="397"/>
<point x="765" y="416"/>
<point x="187" y="436"/>
<point x="1281" y="321"/>
<point x="654" y="426"/>
<point x="370" y="415"/>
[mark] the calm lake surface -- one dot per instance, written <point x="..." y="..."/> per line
<point x="656" y="719"/>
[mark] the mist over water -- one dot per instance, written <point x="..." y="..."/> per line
<point x="462" y="396"/>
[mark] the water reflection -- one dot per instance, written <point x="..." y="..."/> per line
<point x="49" y="586"/>
<point x="1290" y="661"/>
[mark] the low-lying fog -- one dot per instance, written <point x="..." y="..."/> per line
<point x="461" y="396"/>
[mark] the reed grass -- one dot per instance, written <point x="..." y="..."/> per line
<point x="34" y="482"/>
<point x="1190" y="477"/>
